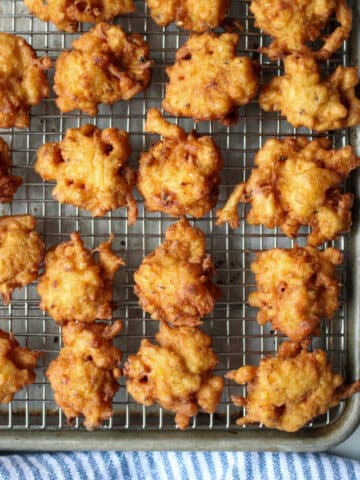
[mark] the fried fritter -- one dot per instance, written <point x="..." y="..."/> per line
<point x="306" y="100"/>
<point x="208" y="80"/>
<point x="23" y="82"/>
<point x="89" y="166"/>
<point x="74" y="286"/>
<point x="296" y="288"/>
<point x="296" y="22"/>
<point x="84" y="375"/>
<point x="17" y="365"/>
<point x="288" y="390"/>
<point x="66" y="14"/>
<point x="8" y="183"/>
<point x="180" y="174"/>
<point x="106" y="65"/>
<point x="21" y="253"/>
<point x="173" y="282"/>
<point x="296" y="183"/>
<point x="177" y="374"/>
<point x="197" y="16"/>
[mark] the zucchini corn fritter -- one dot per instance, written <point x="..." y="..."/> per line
<point x="180" y="174"/>
<point x="177" y="374"/>
<point x="288" y="390"/>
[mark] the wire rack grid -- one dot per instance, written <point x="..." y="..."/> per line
<point x="237" y="338"/>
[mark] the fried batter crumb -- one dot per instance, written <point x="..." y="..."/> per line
<point x="89" y="166"/>
<point x="296" y="183"/>
<point x="74" y="286"/>
<point x="180" y="174"/>
<point x="197" y="16"/>
<point x="66" y="14"/>
<point x="173" y="282"/>
<point x="296" y="288"/>
<point x="293" y="24"/>
<point x="307" y="100"/>
<point x="17" y="365"/>
<point x="288" y="390"/>
<point x="21" y="253"/>
<point x="23" y="82"/>
<point x="208" y="80"/>
<point x="106" y="65"/>
<point x="8" y="183"/>
<point x="85" y="375"/>
<point x="177" y="374"/>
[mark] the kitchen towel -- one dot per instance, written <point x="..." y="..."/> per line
<point x="177" y="466"/>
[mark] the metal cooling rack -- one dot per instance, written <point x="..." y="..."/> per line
<point x="237" y="338"/>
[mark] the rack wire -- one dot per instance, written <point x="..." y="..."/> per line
<point x="237" y="337"/>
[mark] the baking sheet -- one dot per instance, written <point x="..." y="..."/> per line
<point x="33" y="420"/>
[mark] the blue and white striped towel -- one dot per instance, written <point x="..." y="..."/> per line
<point x="177" y="466"/>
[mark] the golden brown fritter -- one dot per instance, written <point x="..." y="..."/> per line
<point x="74" y="286"/>
<point x="106" y="65"/>
<point x="180" y="174"/>
<point x="173" y="282"/>
<point x="177" y="374"/>
<point x="17" y="367"/>
<point x="288" y="390"/>
<point x="197" y="16"/>
<point x="89" y="166"/>
<point x="8" y="183"/>
<point x="84" y="375"/>
<point x="296" y="183"/>
<point x="293" y="23"/>
<point x="208" y="80"/>
<point x="307" y="100"/>
<point x="66" y="14"/>
<point x="296" y="288"/>
<point x="21" y="253"/>
<point x="23" y="82"/>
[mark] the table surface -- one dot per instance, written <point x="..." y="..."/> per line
<point x="350" y="448"/>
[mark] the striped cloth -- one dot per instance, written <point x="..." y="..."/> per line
<point x="177" y="466"/>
